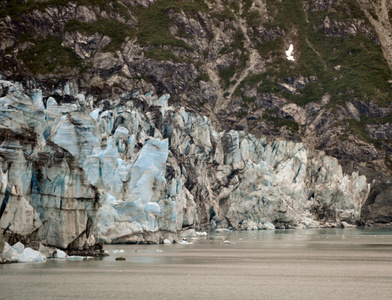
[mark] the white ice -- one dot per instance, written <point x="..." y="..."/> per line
<point x="30" y="255"/>
<point x="60" y="254"/>
<point x="289" y="53"/>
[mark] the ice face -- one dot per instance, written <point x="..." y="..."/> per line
<point x="138" y="172"/>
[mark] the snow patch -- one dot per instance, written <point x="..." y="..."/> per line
<point x="289" y="53"/>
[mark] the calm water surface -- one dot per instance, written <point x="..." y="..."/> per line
<point x="287" y="264"/>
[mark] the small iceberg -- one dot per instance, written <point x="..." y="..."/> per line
<point x="201" y="233"/>
<point x="185" y="243"/>
<point x="74" y="257"/>
<point x="31" y="255"/>
<point x="226" y="242"/>
<point x="59" y="254"/>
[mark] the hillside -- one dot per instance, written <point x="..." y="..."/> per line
<point x="281" y="104"/>
<point x="225" y="59"/>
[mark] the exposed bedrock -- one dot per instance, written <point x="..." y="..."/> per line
<point x="82" y="171"/>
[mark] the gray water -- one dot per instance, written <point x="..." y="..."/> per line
<point x="282" y="264"/>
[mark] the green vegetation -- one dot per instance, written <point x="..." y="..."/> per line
<point x="154" y="22"/>
<point x="270" y="116"/>
<point x="48" y="56"/>
<point x="234" y="5"/>
<point x="363" y="74"/>
<point x="225" y="15"/>
<point x="203" y="77"/>
<point x="112" y="28"/>
<point x="252" y="17"/>
<point x="16" y="8"/>
<point x="240" y="55"/>
<point x="161" y="54"/>
<point x="227" y="74"/>
<point x="358" y="128"/>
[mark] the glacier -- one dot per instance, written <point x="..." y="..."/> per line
<point x="133" y="169"/>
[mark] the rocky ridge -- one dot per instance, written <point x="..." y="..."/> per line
<point x="224" y="59"/>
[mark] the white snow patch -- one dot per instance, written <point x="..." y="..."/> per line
<point x="289" y="53"/>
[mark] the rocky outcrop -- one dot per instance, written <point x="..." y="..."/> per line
<point x="224" y="59"/>
<point x="81" y="170"/>
<point x="377" y="208"/>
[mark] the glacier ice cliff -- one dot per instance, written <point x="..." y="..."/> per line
<point x="79" y="170"/>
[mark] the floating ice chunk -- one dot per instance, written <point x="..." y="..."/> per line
<point x="268" y="226"/>
<point x="159" y="250"/>
<point x="289" y="53"/>
<point x="74" y="257"/>
<point x="226" y="242"/>
<point x="60" y="254"/>
<point x="184" y="243"/>
<point x="9" y="253"/>
<point x="222" y="230"/>
<point x="30" y="255"/>
<point x="118" y="251"/>
<point x="167" y="242"/>
<point x="18" y="247"/>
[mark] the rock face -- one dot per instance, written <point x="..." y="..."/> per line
<point x="225" y="59"/>
<point x="81" y="170"/>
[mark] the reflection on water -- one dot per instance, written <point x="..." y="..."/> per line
<point x="311" y="263"/>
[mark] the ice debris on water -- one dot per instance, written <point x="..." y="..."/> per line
<point x="60" y="254"/>
<point x="18" y="247"/>
<point x="201" y="233"/>
<point x="19" y="253"/>
<point x="75" y="257"/>
<point x="30" y="255"/>
<point x="184" y="243"/>
<point x="167" y="242"/>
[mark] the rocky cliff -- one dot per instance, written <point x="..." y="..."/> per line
<point x="285" y="118"/>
